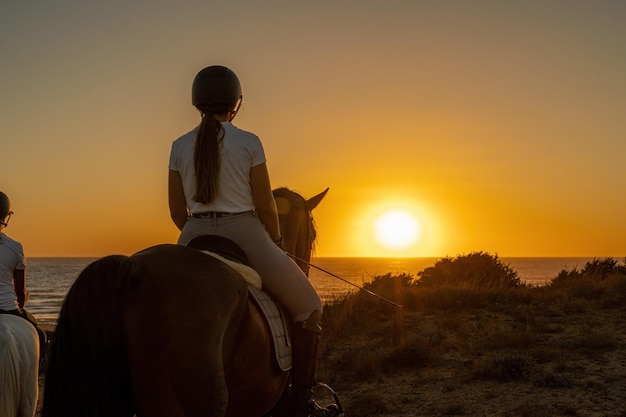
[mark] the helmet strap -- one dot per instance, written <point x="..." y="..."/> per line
<point x="5" y="222"/>
<point x="235" y="110"/>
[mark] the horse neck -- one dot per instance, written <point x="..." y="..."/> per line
<point x="302" y="248"/>
<point x="303" y="259"/>
<point x="298" y="223"/>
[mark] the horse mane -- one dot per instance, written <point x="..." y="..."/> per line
<point x="87" y="357"/>
<point x="297" y="200"/>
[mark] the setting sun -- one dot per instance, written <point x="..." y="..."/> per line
<point x="402" y="224"/>
<point x="397" y="229"/>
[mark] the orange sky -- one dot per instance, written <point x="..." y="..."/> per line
<point x="498" y="124"/>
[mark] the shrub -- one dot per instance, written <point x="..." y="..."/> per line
<point x="600" y="269"/>
<point x="392" y="287"/>
<point x="505" y="368"/>
<point x="414" y="352"/>
<point x="476" y="270"/>
<point x="389" y="282"/>
<point x="565" y="277"/>
<point x="595" y="270"/>
<point x="616" y="290"/>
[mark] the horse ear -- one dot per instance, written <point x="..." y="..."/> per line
<point x="312" y="202"/>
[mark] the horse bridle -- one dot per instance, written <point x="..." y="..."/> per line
<point x="287" y="201"/>
<point x="309" y="238"/>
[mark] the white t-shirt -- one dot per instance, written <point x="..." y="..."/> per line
<point x="241" y="151"/>
<point x="11" y="257"/>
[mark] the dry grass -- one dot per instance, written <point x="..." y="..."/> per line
<point x="464" y="350"/>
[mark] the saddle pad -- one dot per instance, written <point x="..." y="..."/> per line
<point x="280" y="335"/>
<point x="249" y="275"/>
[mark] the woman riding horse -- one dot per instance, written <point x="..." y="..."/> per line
<point x="13" y="291"/>
<point x="219" y="185"/>
<point x="170" y="331"/>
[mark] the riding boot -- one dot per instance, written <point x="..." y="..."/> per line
<point x="305" y="341"/>
<point x="44" y="347"/>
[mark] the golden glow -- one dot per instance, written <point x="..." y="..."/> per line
<point x="486" y="154"/>
<point x="400" y="226"/>
<point x="397" y="229"/>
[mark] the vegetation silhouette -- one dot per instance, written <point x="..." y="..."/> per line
<point x="478" y="269"/>
<point x="468" y="323"/>
<point x="471" y="329"/>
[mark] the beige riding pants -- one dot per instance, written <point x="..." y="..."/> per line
<point x="280" y="274"/>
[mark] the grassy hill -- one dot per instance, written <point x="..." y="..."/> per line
<point x="473" y="340"/>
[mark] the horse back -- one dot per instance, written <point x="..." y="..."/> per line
<point x="182" y="320"/>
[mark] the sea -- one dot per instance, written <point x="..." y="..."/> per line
<point x="49" y="279"/>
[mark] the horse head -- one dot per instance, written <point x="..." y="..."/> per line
<point x="296" y="223"/>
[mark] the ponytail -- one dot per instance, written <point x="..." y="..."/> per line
<point x="207" y="158"/>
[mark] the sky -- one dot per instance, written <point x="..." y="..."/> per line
<point x="498" y="126"/>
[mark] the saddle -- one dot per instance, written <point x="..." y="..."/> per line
<point x="230" y="253"/>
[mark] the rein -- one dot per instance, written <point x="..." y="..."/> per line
<point x="346" y="281"/>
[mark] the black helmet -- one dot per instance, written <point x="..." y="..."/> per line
<point x="5" y="206"/>
<point x="215" y="89"/>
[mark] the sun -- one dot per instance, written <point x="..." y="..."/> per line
<point x="397" y="229"/>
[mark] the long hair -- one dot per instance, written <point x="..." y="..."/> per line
<point x="206" y="158"/>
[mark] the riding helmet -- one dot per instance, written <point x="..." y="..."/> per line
<point x="5" y="206"/>
<point x="216" y="89"/>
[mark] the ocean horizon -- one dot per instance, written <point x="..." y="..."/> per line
<point x="49" y="278"/>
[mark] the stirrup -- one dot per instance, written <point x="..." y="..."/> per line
<point x="335" y="396"/>
<point x="313" y="409"/>
<point x="316" y="411"/>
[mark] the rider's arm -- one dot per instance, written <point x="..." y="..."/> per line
<point x="19" y="283"/>
<point x="177" y="203"/>
<point x="264" y="200"/>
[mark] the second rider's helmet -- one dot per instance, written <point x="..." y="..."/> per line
<point x="5" y="208"/>
<point x="216" y="89"/>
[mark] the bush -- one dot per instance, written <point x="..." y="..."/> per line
<point x="394" y="288"/>
<point x="565" y="277"/>
<point x="595" y="270"/>
<point x="505" y="368"/>
<point x="389" y="282"/>
<point x="476" y="270"/>
<point x="600" y="269"/>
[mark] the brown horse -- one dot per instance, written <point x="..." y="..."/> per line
<point x="169" y="331"/>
